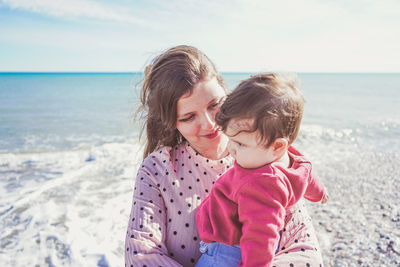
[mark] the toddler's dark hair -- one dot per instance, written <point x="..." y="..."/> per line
<point x="273" y="100"/>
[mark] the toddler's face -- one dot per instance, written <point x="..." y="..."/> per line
<point x="244" y="147"/>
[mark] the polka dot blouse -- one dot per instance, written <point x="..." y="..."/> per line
<point x="170" y="185"/>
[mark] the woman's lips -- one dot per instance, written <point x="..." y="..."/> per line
<point x="212" y="135"/>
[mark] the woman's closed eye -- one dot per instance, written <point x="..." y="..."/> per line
<point x="217" y="103"/>
<point x="189" y="118"/>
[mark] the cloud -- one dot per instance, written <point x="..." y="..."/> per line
<point x="70" y="9"/>
<point x="239" y="35"/>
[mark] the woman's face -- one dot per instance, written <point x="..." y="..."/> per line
<point x="196" y="119"/>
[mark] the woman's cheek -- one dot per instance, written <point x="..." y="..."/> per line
<point x="214" y="112"/>
<point x="194" y="128"/>
<point x="188" y="129"/>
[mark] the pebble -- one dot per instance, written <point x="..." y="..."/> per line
<point x="340" y="263"/>
<point x="394" y="247"/>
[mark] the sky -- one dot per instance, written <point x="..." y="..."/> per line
<point x="238" y="35"/>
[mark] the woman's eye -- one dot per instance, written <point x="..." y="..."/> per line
<point x="187" y="119"/>
<point x="217" y="103"/>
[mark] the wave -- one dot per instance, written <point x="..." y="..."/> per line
<point x="382" y="135"/>
<point x="56" y="206"/>
<point x="51" y="142"/>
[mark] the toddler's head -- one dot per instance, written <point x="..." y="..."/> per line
<point x="262" y="118"/>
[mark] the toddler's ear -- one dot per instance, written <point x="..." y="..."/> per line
<point x="280" y="145"/>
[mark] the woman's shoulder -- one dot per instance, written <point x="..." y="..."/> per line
<point x="162" y="157"/>
<point x="159" y="157"/>
<point x="155" y="164"/>
<point x="183" y="158"/>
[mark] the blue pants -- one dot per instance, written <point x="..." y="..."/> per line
<point x="219" y="255"/>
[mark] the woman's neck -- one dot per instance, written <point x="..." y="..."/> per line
<point x="218" y="152"/>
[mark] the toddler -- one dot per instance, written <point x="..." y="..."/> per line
<point x="247" y="204"/>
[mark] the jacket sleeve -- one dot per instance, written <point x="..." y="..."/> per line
<point x="146" y="233"/>
<point x="261" y="207"/>
<point x="315" y="189"/>
<point x="213" y="216"/>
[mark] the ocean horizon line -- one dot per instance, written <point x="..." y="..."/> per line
<point x="141" y="72"/>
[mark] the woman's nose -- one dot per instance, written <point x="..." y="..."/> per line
<point x="208" y="121"/>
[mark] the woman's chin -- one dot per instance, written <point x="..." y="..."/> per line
<point x="211" y="148"/>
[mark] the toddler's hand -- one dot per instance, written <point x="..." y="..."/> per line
<point x="325" y="198"/>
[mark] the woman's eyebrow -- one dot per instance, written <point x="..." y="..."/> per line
<point x="191" y="112"/>
<point x="212" y="100"/>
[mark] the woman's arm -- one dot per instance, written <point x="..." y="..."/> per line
<point x="298" y="245"/>
<point x="146" y="234"/>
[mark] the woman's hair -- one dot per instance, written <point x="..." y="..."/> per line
<point x="170" y="75"/>
<point x="273" y="100"/>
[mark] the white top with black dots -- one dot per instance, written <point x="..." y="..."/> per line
<point x="170" y="185"/>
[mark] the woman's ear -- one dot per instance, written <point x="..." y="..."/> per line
<point x="280" y="145"/>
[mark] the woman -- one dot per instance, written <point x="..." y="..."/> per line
<point x="184" y="155"/>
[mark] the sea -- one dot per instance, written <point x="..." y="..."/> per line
<point x="69" y="151"/>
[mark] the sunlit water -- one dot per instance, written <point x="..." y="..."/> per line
<point x="69" y="154"/>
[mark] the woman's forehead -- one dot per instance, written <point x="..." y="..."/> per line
<point x="203" y="94"/>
